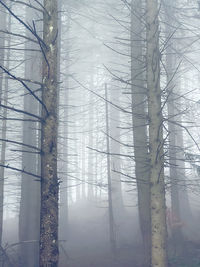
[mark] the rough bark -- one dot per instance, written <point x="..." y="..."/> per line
<point x="49" y="181"/>
<point x="157" y="196"/>
<point x="64" y="150"/>
<point x="140" y="127"/>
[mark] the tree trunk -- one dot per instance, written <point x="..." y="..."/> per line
<point x="186" y="215"/>
<point x="185" y="212"/>
<point x="90" y="144"/>
<point x="140" y="128"/>
<point x="113" y="245"/>
<point x="175" y="134"/>
<point x="2" y="49"/>
<point x="3" y="99"/>
<point x="49" y="181"/>
<point x="83" y="155"/>
<point x="118" y="207"/>
<point x="30" y="188"/>
<point x="157" y="187"/>
<point x="175" y="203"/>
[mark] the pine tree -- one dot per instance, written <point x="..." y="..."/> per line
<point x="156" y="142"/>
<point x="49" y="180"/>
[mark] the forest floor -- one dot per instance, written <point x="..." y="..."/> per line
<point x="132" y="257"/>
<point x="127" y="257"/>
<point x="87" y="241"/>
<point x="190" y="256"/>
<point x="97" y="255"/>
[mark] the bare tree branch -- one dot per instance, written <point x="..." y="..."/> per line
<point x="20" y="170"/>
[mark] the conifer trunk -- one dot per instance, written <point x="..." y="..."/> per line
<point x="49" y="182"/>
<point x="140" y="127"/>
<point x="157" y="193"/>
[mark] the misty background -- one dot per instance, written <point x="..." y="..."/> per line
<point x="104" y="131"/>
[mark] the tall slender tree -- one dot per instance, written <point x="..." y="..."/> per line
<point x="2" y="43"/>
<point x="114" y="117"/>
<point x="179" y="197"/>
<point x="3" y="99"/>
<point x="172" y="80"/>
<point x="112" y="230"/>
<point x="156" y="142"/>
<point x="91" y="141"/>
<point x="30" y="193"/>
<point x="49" y="251"/>
<point x="139" y="118"/>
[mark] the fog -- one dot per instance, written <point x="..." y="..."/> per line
<point x="99" y="133"/>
